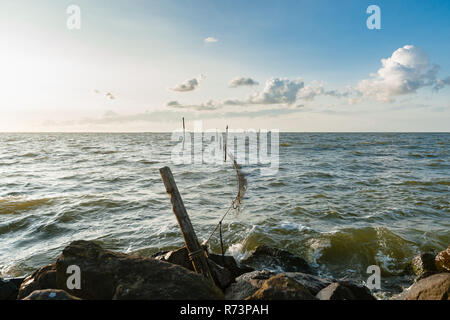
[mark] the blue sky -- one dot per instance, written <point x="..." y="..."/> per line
<point x="142" y="51"/>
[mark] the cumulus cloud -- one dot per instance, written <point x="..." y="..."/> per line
<point x="211" y="40"/>
<point x="189" y="85"/>
<point x="406" y="71"/>
<point x="277" y="91"/>
<point x="242" y="81"/>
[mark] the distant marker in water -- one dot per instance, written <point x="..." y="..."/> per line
<point x="184" y="133"/>
<point x="225" y="144"/>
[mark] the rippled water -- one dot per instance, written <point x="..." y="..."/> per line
<point x="342" y="201"/>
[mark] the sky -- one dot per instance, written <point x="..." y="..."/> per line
<point x="300" y="65"/>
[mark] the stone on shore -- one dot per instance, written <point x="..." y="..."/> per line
<point x="9" y="288"/>
<point x="274" y="259"/>
<point x="345" y="290"/>
<point x="435" y="287"/>
<point x="110" y="275"/>
<point x="423" y="265"/>
<point x="281" y="287"/>
<point x="43" y="278"/>
<point x="228" y="262"/>
<point x="50" y="294"/>
<point x="442" y="260"/>
<point x="248" y="284"/>
<point x="223" y="269"/>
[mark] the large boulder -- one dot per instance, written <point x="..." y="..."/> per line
<point x="110" y="275"/>
<point x="228" y="262"/>
<point x="50" y="294"/>
<point x="247" y="284"/>
<point x="43" y="278"/>
<point x="281" y="287"/>
<point x="313" y="283"/>
<point x="435" y="287"/>
<point x="442" y="260"/>
<point x="9" y="288"/>
<point x="423" y="265"/>
<point x="274" y="259"/>
<point x="345" y="290"/>
<point x="222" y="275"/>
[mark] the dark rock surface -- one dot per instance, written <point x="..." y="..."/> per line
<point x="9" y="288"/>
<point x="230" y="263"/>
<point x="313" y="283"/>
<point x="435" y="287"/>
<point x="247" y="284"/>
<point x="110" y="275"/>
<point x="50" y="294"/>
<point x="43" y="278"/>
<point x="345" y="290"/>
<point x="281" y="287"/>
<point x="274" y="259"/>
<point x="423" y="265"/>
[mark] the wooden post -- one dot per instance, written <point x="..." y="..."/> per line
<point x="196" y="252"/>
<point x="225" y="144"/>
<point x="184" y="133"/>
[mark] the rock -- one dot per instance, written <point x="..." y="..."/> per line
<point x="274" y="259"/>
<point x="247" y="284"/>
<point x="423" y="265"/>
<point x="179" y="256"/>
<point x="43" y="278"/>
<point x="313" y="283"/>
<point x="345" y="290"/>
<point x="435" y="287"/>
<point x="442" y="260"/>
<point x="222" y="276"/>
<point x="110" y="275"/>
<point x="50" y="294"/>
<point x="9" y="288"/>
<point x="281" y="287"/>
<point x="228" y="262"/>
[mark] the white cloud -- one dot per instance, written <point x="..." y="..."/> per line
<point x="406" y="71"/>
<point x="189" y="85"/>
<point x="277" y="91"/>
<point x="242" y="81"/>
<point x="211" y="40"/>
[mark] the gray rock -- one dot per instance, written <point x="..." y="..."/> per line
<point x="110" y="275"/>
<point x="274" y="259"/>
<point x="345" y="290"/>
<point x="50" y="294"/>
<point x="43" y="278"/>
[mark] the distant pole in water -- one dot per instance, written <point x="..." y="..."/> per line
<point x="184" y="133"/>
<point x="225" y="144"/>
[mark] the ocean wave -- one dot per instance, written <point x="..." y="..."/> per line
<point x="19" y="204"/>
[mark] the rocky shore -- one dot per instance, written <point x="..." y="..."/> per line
<point x="108" y="275"/>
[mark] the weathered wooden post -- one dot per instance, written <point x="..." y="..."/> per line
<point x="225" y="144"/>
<point x="196" y="252"/>
<point x="184" y="133"/>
